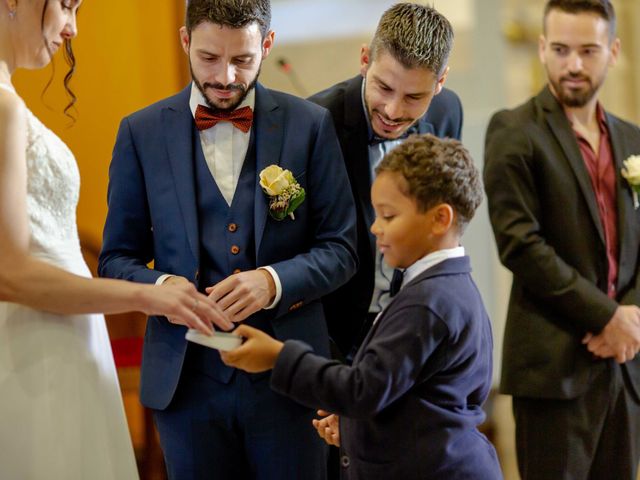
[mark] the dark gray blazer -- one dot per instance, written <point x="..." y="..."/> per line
<point x="549" y="234"/>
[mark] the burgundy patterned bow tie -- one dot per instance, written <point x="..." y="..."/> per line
<point x="207" y="118"/>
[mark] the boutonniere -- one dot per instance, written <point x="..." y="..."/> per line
<point x="284" y="192"/>
<point x="631" y="171"/>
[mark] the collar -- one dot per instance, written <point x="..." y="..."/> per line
<point x="370" y="134"/>
<point x="601" y="117"/>
<point x="430" y="260"/>
<point x="196" y="98"/>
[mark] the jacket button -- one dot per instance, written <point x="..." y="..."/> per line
<point x="235" y="249"/>
<point x="237" y="270"/>
<point x="232" y="227"/>
<point x="344" y="461"/>
<point x="296" y="306"/>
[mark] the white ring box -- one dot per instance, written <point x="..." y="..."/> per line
<point x="220" y="340"/>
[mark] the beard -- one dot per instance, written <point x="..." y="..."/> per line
<point x="228" y="104"/>
<point x="576" y="98"/>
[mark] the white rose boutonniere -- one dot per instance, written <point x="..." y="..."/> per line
<point x="631" y="171"/>
<point x="284" y="192"/>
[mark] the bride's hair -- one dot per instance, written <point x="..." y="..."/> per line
<point x="71" y="61"/>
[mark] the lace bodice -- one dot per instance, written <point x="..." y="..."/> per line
<point x="53" y="185"/>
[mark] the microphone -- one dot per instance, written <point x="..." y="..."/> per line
<point x="287" y="69"/>
<point x="284" y="65"/>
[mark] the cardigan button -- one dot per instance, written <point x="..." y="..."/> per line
<point x="232" y="227"/>
<point x="344" y="461"/>
<point x="235" y="249"/>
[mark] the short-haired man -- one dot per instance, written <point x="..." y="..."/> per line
<point x="400" y="91"/>
<point x="566" y="226"/>
<point x="184" y="192"/>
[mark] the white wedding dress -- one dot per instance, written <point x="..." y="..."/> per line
<point x="61" y="413"/>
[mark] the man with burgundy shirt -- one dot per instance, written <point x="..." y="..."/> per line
<point x="566" y="226"/>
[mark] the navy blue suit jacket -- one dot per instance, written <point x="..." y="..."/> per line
<point x="153" y="217"/>
<point x="412" y="400"/>
<point x="347" y="307"/>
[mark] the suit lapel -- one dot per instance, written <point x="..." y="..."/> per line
<point x="178" y="126"/>
<point x="626" y="212"/>
<point x="356" y="150"/>
<point x="561" y="129"/>
<point x="269" y="130"/>
<point x="425" y="127"/>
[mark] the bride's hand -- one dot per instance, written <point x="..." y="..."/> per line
<point x="182" y="304"/>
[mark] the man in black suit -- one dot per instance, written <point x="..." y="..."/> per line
<point x="400" y="91"/>
<point x="567" y="226"/>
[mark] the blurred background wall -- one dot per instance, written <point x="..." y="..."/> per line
<point x="129" y="56"/>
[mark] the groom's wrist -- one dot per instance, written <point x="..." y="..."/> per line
<point x="275" y="287"/>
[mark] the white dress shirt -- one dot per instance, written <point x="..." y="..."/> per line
<point x="224" y="146"/>
<point x="383" y="272"/>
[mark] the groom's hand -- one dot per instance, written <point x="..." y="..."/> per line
<point x="243" y="294"/>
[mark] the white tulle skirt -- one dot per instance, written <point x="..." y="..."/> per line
<point x="61" y="412"/>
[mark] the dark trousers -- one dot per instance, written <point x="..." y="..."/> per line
<point x="592" y="437"/>
<point x="241" y="430"/>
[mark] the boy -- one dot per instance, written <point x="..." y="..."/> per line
<point x="410" y="403"/>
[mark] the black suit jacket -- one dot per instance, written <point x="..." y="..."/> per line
<point x="549" y="234"/>
<point x="347" y="307"/>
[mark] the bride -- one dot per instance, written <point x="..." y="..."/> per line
<point x="61" y="415"/>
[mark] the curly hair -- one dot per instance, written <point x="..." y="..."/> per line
<point x="437" y="171"/>
<point x="417" y="36"/>
<point x="69" y="58"/>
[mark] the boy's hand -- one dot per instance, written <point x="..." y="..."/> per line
<point x="258" y="352"/>
<point x="328" y="427"/>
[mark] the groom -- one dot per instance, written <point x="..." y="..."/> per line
<point x="184" y="193"/>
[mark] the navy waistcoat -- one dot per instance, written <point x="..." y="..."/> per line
<point x="227" y="244"/>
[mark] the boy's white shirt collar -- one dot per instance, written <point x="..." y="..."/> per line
<point x="426" y="262"/>
<point x="430" y="260"/>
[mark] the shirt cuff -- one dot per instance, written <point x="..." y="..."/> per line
<point x="162" y="278"/>
<point x="276" y="280"/>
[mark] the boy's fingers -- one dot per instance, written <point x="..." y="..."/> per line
<point x="245" y="331"/>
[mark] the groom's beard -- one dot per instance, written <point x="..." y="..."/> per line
<point x="218" y="104"/>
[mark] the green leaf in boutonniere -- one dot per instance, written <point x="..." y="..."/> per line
<point x="284" y="192"/>
<point x="631" y="171"/>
